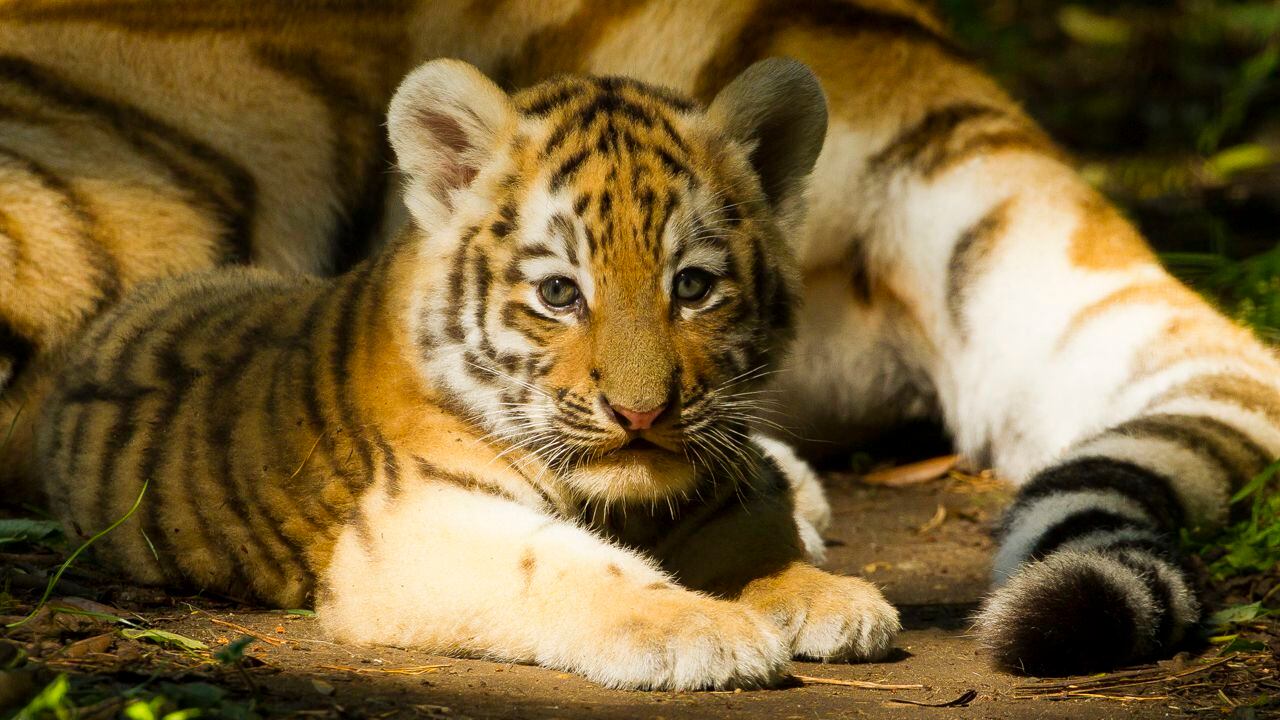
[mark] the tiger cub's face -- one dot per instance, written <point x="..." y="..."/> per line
<point x="605" y="276"/>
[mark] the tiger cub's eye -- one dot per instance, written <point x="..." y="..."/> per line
<point x="692" y="284"/>
<point x="558" y="292"/>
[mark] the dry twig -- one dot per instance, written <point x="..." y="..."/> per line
<point x="809" y="680"/>
<point x="413" y="670"/>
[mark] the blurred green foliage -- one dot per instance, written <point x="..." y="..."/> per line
<point x="1173" y="108"/>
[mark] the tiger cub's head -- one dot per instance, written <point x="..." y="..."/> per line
<point x="603" y="274"/>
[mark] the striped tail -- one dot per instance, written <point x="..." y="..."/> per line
<point x="1090" y="571"/>
<point x="1089" y="574"/>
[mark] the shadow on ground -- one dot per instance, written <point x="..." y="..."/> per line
<point x="927" y="544"/>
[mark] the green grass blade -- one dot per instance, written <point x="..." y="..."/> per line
<point x="66" y="564"/>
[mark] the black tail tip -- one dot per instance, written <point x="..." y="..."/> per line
<point x="1070" y="614"/>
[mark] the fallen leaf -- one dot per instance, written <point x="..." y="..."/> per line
<point x="914" y="473"/>
<point x="321" y="686"/>
<point x="164" y="637"/>
<point x="28" y="530"/>
<point x="89" y="646"/>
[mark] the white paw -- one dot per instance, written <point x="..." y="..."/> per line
<point x="851" y="622"/>
<point x="828" y="617"/>
<point x="811" y="506"/>
<point x="689" y="642"/>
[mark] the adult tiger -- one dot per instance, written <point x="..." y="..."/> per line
<point x="965" y="269"/>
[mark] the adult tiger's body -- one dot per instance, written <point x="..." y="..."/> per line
<point x="953" y="264"/>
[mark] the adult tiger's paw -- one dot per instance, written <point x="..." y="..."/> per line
<point x="678" y="640"/>
<point x="826" y="617"/>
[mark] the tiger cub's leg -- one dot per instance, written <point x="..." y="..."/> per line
<point x="458" y="571"/>
<point x="751" y="546"/>
<point x="812" y="512"/>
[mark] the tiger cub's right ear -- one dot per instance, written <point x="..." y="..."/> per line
<point x="443" y="123"/>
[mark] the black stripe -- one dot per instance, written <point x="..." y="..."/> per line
<point x="1081" y="524"/>
<point x="513" y="310"/>
<point x="180" y="18"/>
<point x="933" y="130"/>
<point x="106" y="271"/>
<point x="561" y="226"/>
<point x="1160" y="592"/>
<point x="361" y="152"/>
<point x="558" y="92"/>
<point x="351" y="293"/>
<point x="469" y="482"/>
<point x="558" y="136"/>
<point x="260" y="335"/>
<point x="654" y="93"/>
<point x="457" y="287"/>
<point x="128" y="394"/>
<point x="224" y="187"/>
<point x="287" y="385"/>
<point x="224" y="403"/>
<point x="568" y="168"/>
<point x="482" y="281"/>
<point x="755" y="38"/>
<point x="611" y="105"/>
<point x="1205" y="436"/>
<point x="390" y="466"/>
<point x="1148" y="489"/>
<point x="676" y="167"/>
<point x="211" y="309"/>
<point x="968" y="259"/>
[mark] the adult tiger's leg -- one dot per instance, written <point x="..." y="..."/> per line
<point x="1057" y="347"/>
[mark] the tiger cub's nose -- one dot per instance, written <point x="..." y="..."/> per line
<point x="636" y="419"/>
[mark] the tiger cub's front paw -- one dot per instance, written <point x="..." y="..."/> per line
<point x="678" y="640"/>
<point x="825" y="616"/>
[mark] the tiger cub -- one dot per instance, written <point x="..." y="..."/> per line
<point x="521" y="430"/>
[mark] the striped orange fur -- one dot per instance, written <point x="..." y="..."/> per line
<point x="474" y="367"/>
<point x="953" y="265"/>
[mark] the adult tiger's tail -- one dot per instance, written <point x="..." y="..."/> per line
<point x="1089" y="571"/>
<point x="1104" y="586"/>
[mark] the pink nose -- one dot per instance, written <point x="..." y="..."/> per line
<point x="633" y="420"/>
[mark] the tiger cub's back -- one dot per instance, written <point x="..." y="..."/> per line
<point x="184" y="388"/>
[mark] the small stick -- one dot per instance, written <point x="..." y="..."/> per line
<point x="810" y="680"/>
<point x="415" y="670"/>
<point x="240" y="628"/>
<point x="1122" y="698"/>
<point x="1109" y="684"/>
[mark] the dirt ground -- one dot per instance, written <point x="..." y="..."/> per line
<point x="927" y="544"/>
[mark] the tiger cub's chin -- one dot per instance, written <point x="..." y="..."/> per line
<point x="635" y="475"/>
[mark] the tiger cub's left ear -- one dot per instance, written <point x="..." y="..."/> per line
<point x="444" y="123"/>
<point x="777" y="110"/>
